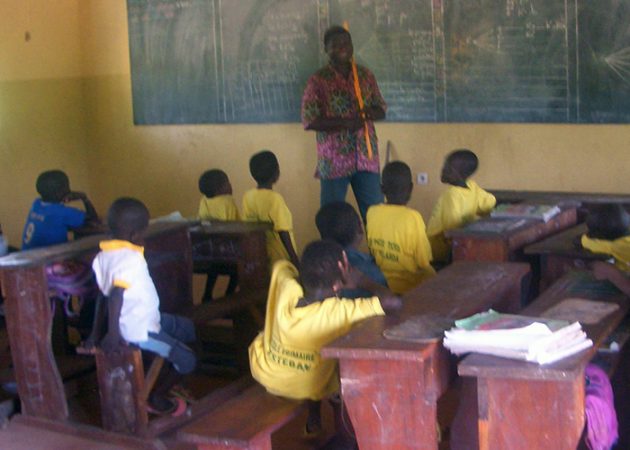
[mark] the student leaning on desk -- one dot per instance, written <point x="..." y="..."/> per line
<point x="49" y="219"/>
<point x="462" y="202"/>
<point x="608" y="233"/>
<point x="304" y="313"/>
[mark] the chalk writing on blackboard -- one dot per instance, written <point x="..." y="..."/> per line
<point x="247" y="61"/>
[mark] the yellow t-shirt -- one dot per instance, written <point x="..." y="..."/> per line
<point x="456" y="207"/>
<point x="618" y="249"/>
<point x="265" y="205"/>
<point x="398" y="241"/>
<point x="285" y="357"/>
<point x="221" y="207"/>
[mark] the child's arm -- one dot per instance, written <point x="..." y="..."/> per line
<point x="285" y="237"/>
<point x="390" y="302"/>
<point x="605" y="271"/>
<point x="90" y="212"/>
<point x="113" y="339"/>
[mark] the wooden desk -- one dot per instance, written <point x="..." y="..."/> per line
<point x="493" y="239"/>
<point x="523" y="405"/>
<point x="558" y="197"/>
<point x="558" y="254"/>
<point x="28" y="311"/>
<point x="241" y="243"/>
<point x="391" y="387"/>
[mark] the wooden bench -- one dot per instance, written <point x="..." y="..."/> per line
<point x="518" y="405"/>
<point x="391" y="387"/>
<point x="244" y="422"/>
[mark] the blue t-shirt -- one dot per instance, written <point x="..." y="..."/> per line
<point x="364" y="263"/>
<point x="48" y="224"/>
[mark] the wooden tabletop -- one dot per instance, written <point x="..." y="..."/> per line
<point x="554" y="197"/>
<point x="227" y="227"/>
<point x="573" y="285"/>
<point x="45" y="255"/>
<point x="461" y="289"/>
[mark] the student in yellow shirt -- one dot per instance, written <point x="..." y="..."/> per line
<point x="462" y="202"/>
<point x="304" y="313"/>
<point x="217" y="203"/>
<point x="608" y="233"/>
<point x="396" y="234"/>
<point x="264" y="205"/>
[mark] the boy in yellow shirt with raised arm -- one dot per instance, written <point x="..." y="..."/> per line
<point x="264" y="205"/>
<point x="396" y="234"/>
<point x="462" y="202"/>
<point x="304" y="313"/>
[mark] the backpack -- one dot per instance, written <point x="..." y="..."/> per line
<point x="68" y="279"/>
<point x="599" y="408"/>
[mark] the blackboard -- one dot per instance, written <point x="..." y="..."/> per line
<point x="247" y="61"/>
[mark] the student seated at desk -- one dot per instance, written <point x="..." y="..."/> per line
<point x="217" y="203"/>
<point x="462" y="202"/>
<point x="397" y="235"/>
<point x="264" y="205"/>
<point x="133" y="305"/>
<point x="608" y="233"/>
<point x="304" y="313"/>
<point x="49" y="219"/>
<point x="339" y="222"/>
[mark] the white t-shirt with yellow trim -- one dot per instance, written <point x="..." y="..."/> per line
<point x="221" y="207"/>
<point x="122" y="264"/>
<point x="265" y="205"/>
<point x="456" y="207"/>
<point x="285" y="357"/>
<point x="397" y="239"/>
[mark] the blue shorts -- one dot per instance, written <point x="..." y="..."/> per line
<point x="170" y="342"/>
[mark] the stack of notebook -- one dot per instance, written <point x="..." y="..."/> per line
<point x="533" y="339"/>
<point x="525" y="211"/>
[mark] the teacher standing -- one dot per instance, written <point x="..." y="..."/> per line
<point x="330" y="107"/>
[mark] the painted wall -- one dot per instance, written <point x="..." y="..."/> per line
<point x="161" y="164"/>
<point x="42" y="120"/>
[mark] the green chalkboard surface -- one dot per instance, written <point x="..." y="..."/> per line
<point x="247" y="61"/>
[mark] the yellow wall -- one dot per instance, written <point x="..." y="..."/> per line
<point x="42" y="121"/>
<point x="90" y="91"/>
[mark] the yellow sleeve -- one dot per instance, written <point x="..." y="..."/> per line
<point x="597" y="245"/>
<point x="280" y="215"/>
<point x="486" y="203"/>
<point x="423" y="255"/>
<point x="203" y="213"/>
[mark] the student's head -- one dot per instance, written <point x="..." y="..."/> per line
<point x="338" y="45"/>
<point x="264" y="167"/>
<point x="214" y="182"/>
<point x="609" y="221"/>
<point x="322" y="266"/>
<point x="127" y="218"/>
<point x="53" y="185"/>
<point x="458" y="166"/>
<point x="339" y="222"/>
<point x="396" y="183"/>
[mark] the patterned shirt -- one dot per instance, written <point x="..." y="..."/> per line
<point x="329" y="94"/>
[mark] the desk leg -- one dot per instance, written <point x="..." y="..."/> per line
<point x="388" y="404"/>
<point x="29" y="323"/>
<point x="526" y="414"/>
